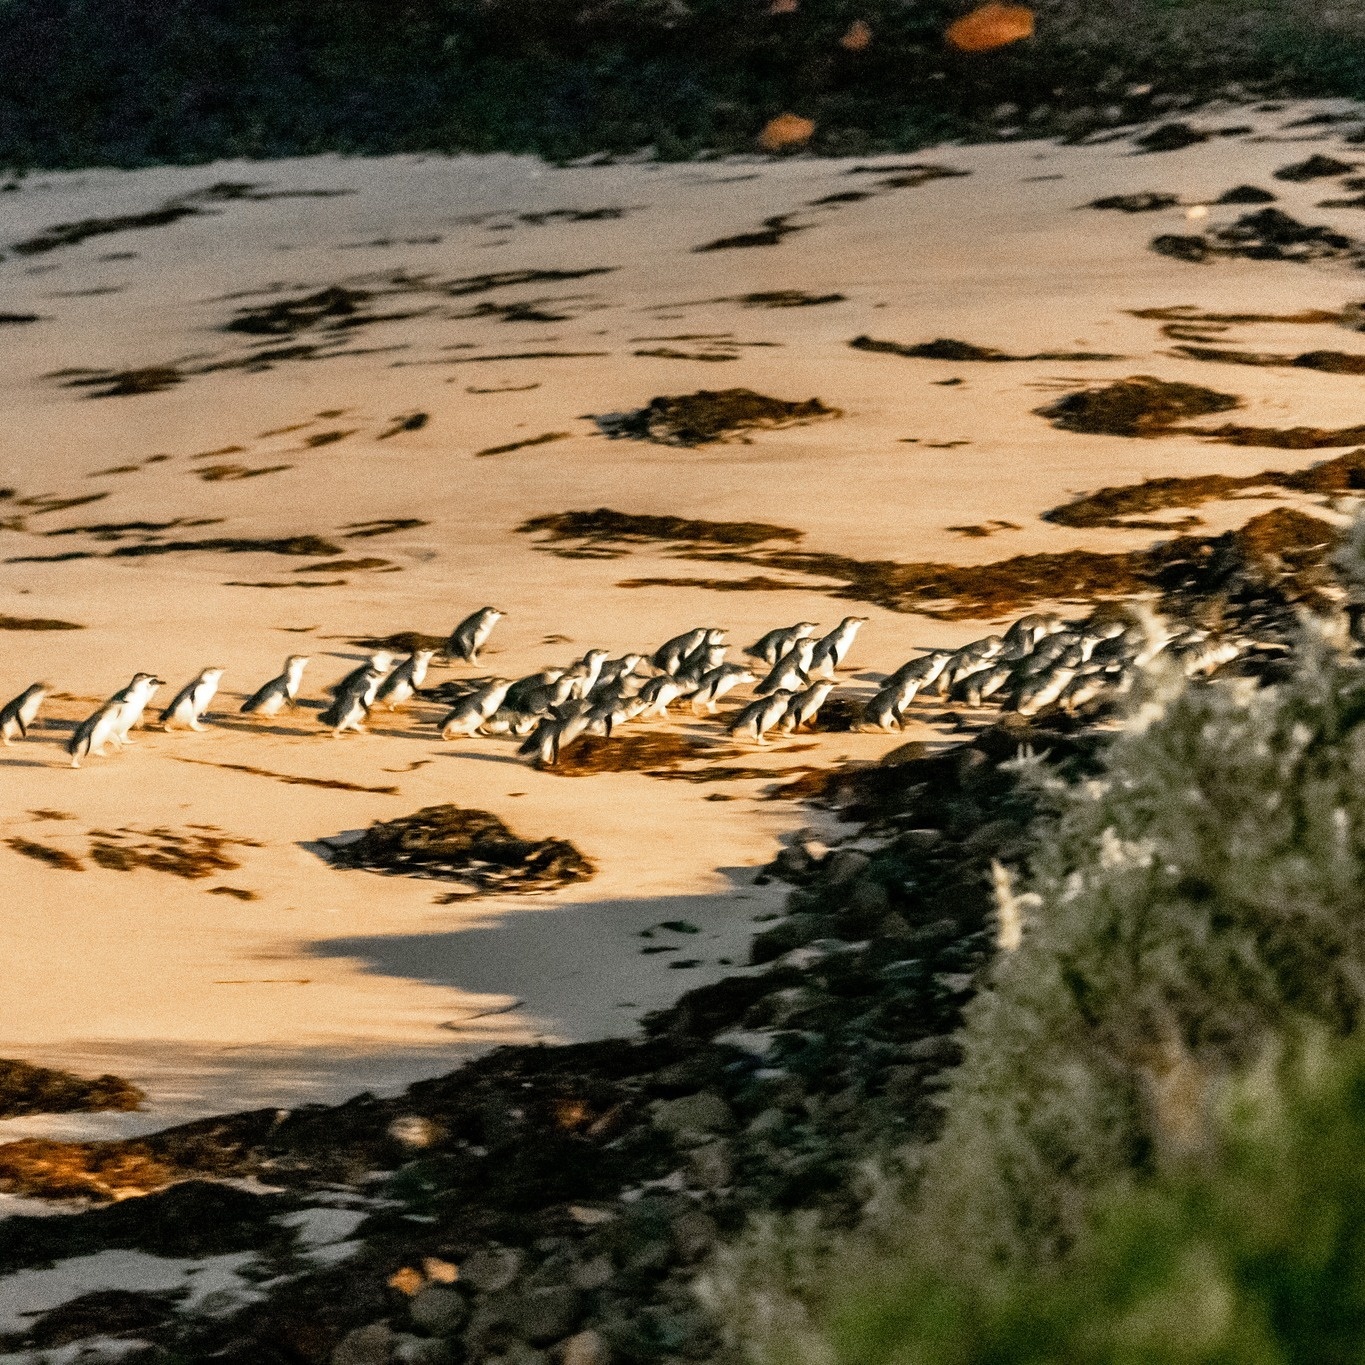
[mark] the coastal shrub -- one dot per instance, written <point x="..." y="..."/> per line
<point x="1252" y="1251"/>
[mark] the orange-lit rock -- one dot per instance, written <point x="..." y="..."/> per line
<point x="786" y="130"/>
<point x="859" y="35"/>
<point x="992" y="25"/>
<point x="783" y="7"/>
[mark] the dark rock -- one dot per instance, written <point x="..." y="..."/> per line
<point x="796" y="931"/>
<point x="194" y="1218"/>
<point x="492" y="1269"/>
<point x="104" y="1313"/>
<point x="547" y="1314"/>
<point x="439" y="1309"/>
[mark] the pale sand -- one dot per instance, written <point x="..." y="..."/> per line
<point x="331" y="981"/>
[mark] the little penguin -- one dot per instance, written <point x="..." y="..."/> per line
<point x="192" y="701"/>
<point x="380" y="662"/>
<point x="658" y="694"/>
<point x="398" y="688"/>
<point x="805" y="705"/>
<point x="771" y="647"/>
<point x="278" y="692"/>
<point x="586" y="672"/>
<point x="94" y="732"/>
<point x="19" y="714"/>
<point x="351" y="706"/>
<point x="831" y="651"/>
<point x="760" y="716"/>
<point x="787" y="675"/>
<point x="470" y="712"/>
<point x="133" y="701"/>
<point x="472" y="634"/>
<point x="715" y="684"/>
<point x="671" y="653"/>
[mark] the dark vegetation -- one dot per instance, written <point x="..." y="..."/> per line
<point x="194" y="853"/>
<point x="946" y="349"/>
<point x="1140" y="406"/>
<point x="1117" y="506"/>
<point x="709" y="415"/>
<point x="118" y="82"/>
<point x="470" y="847"/>
<point x="1266" y="235"/>
<point x="604" y="532"/>
<point x="28" y="1089"/>
<point x="1258" y="573"/>
<point x="36" y="623"/>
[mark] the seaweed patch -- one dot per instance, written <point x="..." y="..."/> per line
<point x="708" y="415"/>
<point x="472" y="848"/>
<point x="944" y="348"/>
<point x="27" y="1089"/>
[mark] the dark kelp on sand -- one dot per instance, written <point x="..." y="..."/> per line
<point x="1266" y="235"/>
<point x="473" y="849"/>
<point x="944" y="348"/>
<point x="604" y="533"/>
<point x="27" y="1089"/>
<point x="1116" y="506"/>
<point x="709" y="415"/>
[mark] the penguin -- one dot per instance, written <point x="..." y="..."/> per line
<point x="805" y="705"/>
<point x="760" y="716"/>
<point x="787" y="675"/>
<point x="985" y="684"/>
<point x="555" y="733"/>
<point x="505" y="721"/>
<point x="469" y="713"/>
<point x="133" y="701"/>
<point x="380" y="663"/>
<point x="278" y="692"/>
<point x="1023" y="636"/>
<point x="520" y="694"/>
<point x="771" y="647"/>
<point x="550" y="696"/>
<point x="94" y="732"/>
<point x="671" y="653"/>
<point x="831" y="651"/>
<point x="617" y="670"/>
<point x="1043" y="690"/>
<point x="398" y="688"/>
<point x="1201" y="659"/>
<point x="923" y="671"/>
<point x="351" y="704"/>
<point x="19" y="714"/>
<point x="472" y="634"/>
<point x="888" y="707"/>
<point x="658" y="694"/>
<point x="586" y="671"/>
<point x="192" y="701"/>
<point x="703" y="660"/>
<point x="714" y="685"/>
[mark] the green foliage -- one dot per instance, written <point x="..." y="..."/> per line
<point x="1251" y="1254"/>
<point x="1190" y="905"/>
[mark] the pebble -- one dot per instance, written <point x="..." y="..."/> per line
<point x="439" y="1310"/>
<point x="371" y="1345"/>
<point x="492" y="1269"/>
<point x="545" y="1315"/>
<point x="586" y="1348"/>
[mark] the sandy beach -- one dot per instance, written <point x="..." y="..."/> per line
<point x="515" y="306"/>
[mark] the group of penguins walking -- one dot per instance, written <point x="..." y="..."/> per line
<point x="1038" y="662"/>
